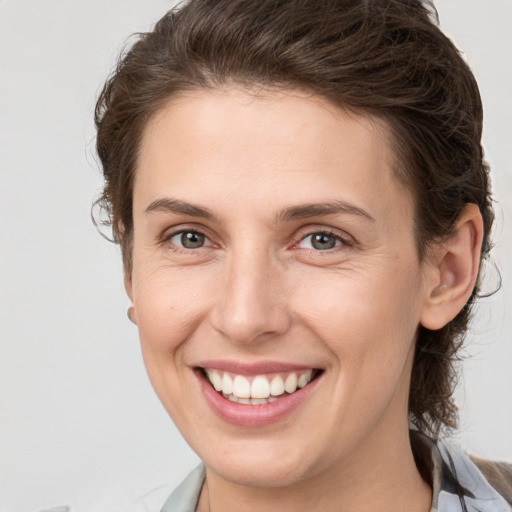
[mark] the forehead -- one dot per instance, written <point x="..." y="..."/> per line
<point x="237" y="111"/>
<point x="263" y="143"/>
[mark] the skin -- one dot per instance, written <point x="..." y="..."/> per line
<point x="258" y="290"/>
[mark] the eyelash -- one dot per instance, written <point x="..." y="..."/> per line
<point x="167" y="239"/>
<point x="340" y="241"/>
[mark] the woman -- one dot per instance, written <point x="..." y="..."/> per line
<point x="299" y="191"/>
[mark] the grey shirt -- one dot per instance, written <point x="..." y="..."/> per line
<point x="458" y="485"/>
<point x="457" y="482"/>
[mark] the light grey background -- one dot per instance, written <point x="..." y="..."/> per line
<point x="79" y="423"/>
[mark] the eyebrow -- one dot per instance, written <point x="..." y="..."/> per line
<point x="305" y="211"/>
<point x="302" y="211"/>
<point x="170" y="205"/>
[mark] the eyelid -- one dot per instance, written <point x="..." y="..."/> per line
<point x="179" y="234"/>
<point x="167" y="234"/>
<point x="345" y="238"/>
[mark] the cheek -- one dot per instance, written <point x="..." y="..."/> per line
<point x="169" y="305"/>
<point x="169" y="309"/>
<point x="366" y="318"/>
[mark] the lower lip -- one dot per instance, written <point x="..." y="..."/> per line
<point x="254" y="415"/>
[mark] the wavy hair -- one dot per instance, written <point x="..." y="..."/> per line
<point x="384" y="57"/>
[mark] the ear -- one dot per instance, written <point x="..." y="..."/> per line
<point x="128" y="286"/>
<point x="453" y="270"/>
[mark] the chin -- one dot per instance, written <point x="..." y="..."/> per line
<point x="263" y="471"/>
<point x="266" y="461"/>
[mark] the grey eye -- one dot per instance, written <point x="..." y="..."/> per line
<point x="188" y="239"/>
<point x="320" y="241"/>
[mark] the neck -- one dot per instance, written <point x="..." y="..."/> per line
<point x="379" y="477"/>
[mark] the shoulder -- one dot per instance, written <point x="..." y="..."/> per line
<point x="150" y="502"/>
<point x="482" y="485"/>
<point x="498" y="474"/>
<point x="183" y="498"/>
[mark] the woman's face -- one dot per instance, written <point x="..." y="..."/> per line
<point x="274" y="250"/>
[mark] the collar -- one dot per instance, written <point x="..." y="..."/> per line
<point x="457" y="484"/>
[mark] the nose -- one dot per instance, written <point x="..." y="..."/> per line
<point x="252" y="303"/>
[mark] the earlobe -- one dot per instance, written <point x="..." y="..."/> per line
<point x="455" y="264"/>
<point x="130" y="313"/>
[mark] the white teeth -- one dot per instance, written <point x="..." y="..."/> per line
<point x="304" y="379"/>
<point x="290" y="385"/>
<point x="241" y="387"/>
<point x="215" y="379"/>
<point x="227" y="384"/>
<point x="260" y="388"/>
<point x="258" y="401"/>
<point x="261" y="391"/>
<point x="277" y="386"/>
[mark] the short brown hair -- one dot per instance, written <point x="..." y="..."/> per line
<point x="385" y="57"/>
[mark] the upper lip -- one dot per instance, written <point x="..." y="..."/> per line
<point x="253" y="368"/>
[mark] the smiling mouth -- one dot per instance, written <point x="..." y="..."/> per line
<point x="258" y="389"/>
